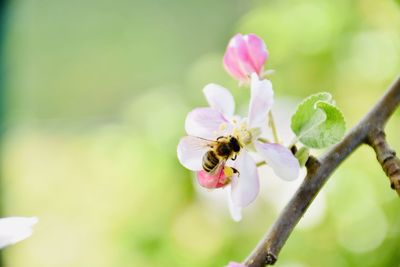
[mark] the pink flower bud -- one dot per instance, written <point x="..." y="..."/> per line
<point x="245" y="54"/>
<point x="220" y="178"/>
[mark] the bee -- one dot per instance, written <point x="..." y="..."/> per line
<point x="220" y="151"/>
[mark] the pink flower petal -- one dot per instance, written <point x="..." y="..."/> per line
<point x="220" y="99"/>
<point x="245" y="54"/>
<point x="261" y="100"/>
<point x="281" y="159"/>
<point x="205" y="123"/>
<point x="258" y="52"/>
<point x="245" y="187"/>
<point x="231" y="63"/>
<point x="216" y="180"/>
<point x="191" y="151"/>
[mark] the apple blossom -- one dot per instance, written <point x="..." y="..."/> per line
<point x="205" y="125"/>
<point x="245" y="54"/>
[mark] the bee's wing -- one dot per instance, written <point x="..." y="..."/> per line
<point x="218" y="170"/>
<point x="214" y="179"/>
<point x="191" y="150"/>
<point x="197" y="143"/>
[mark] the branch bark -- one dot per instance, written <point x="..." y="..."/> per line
<point x="319" y="170"/>
<point x="386" y="157"/>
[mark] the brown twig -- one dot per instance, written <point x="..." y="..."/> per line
<point x="386" y="157"/>
<point x="318" y="172"/>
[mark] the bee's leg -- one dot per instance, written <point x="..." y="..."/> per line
<point x="234" y="157"/>
<point x="220" y="137"/>
<point x="235" y="171"/>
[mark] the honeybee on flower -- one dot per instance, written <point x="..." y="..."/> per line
<point x="238" y="170"/>
<point x="214" y="161"/>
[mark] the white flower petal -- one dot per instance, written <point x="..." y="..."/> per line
<point x="261" y="100"/>
<point x="191" y="151"/>
<point x="220" y="99"/>
<point x="245" y="187"/>
<point x="205" y="123"/>
<point x="281" y="159"/>
<point x="15" y="229"/>
<point x="234" y="210"/>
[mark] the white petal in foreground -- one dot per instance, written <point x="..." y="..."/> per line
<point x="234" y="210"/>
<point x="245" y="187"/>
<point x="205" y="123"/>
<point x="281" y="159"/>
<point x="15" y="229"/>
<point x="220" y="99"/>
<point x="191" y="151"/>
<point x="261" y="100"/>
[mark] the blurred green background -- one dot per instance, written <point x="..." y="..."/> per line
<point x="96" y="93"/>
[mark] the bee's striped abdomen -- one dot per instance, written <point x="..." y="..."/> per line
<point x="210" y="161"/>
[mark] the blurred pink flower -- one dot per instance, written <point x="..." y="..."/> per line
<point x="235" y="264"/>
<point x="220" y="178"/>
<point x="205" y="125"/>
<point x="245" y="54"/>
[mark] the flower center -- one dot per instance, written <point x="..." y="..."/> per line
<point x="242" y="132"/>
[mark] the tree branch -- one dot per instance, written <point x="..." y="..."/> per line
<point x="386" y="157"/>
<point x="318" y="172"/>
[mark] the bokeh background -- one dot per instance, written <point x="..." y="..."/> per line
<point x="95" y="96"/>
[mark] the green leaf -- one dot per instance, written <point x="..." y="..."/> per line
<point x="317" y="122"/>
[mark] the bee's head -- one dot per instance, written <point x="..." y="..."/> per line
<point x="234" y="144"/>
